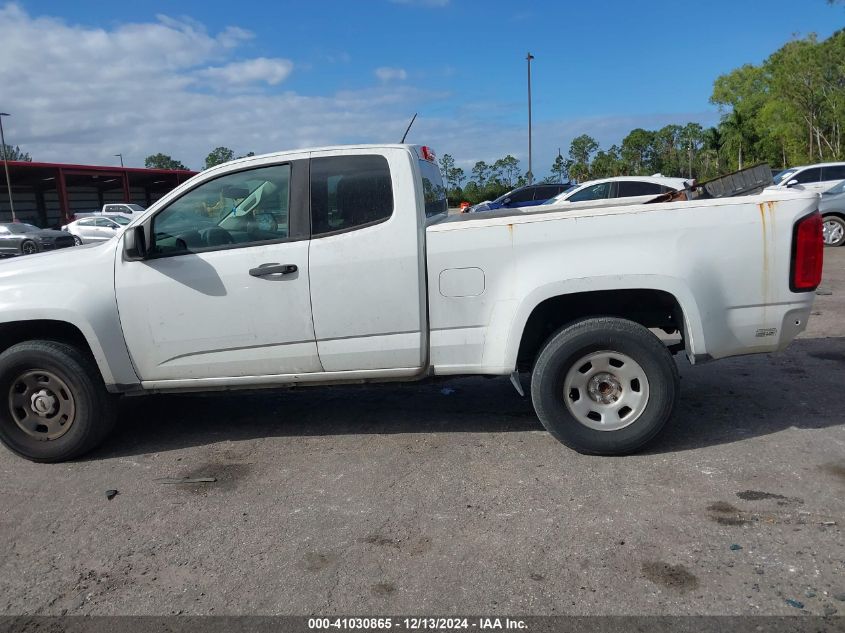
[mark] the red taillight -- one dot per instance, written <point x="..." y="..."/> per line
<point x="807" y="258"/>
<point x="427" y="153"/>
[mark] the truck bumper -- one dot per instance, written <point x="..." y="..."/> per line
<point x="756" y="329"/>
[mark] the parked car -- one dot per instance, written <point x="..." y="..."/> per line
<point x="618" y="190"/>
<point x="95" y="229"/>
<point x="527" y="196"/>
<point x="832" y="208"/>
<point x="19" y="238"/>
<point x="342" y="265"/>
<point x="116" y="208"/>
<point x="818" y="178"/>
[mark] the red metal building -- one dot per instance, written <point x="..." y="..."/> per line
<point x="48" y="194"/>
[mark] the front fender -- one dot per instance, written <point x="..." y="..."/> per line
<point x="73" y="286"/>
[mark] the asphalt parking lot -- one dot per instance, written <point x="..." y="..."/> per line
<point x="448" y="497"/>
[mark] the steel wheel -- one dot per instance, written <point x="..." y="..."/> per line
<point x="606" y="390"/>
<point x="42" y="405"/>
<point x="77" y="240"/>
<point x="833" y="231"/>
<point x="29" y="247"/>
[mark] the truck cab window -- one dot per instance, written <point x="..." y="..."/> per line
<point x="349" y="192"/>
<point x="243" y="208"/>
<point x="434" y="192"/>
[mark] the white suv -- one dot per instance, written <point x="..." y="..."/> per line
<point x="818" y="178"/>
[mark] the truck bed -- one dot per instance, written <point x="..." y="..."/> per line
<point x="726" y="261"/>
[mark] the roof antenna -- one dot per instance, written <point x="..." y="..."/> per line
<point x="414" y="118"/>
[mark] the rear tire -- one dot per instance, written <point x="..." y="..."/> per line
<point x="834" y="230"/>
<point x="53" y="403"/>
<point x="604" y="386"/>
<point x="28" y="247"/>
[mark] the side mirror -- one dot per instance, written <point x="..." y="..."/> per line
<point x="792" y="183"/>
<point x="506" y="202"/>
<point x="135" y="244"/>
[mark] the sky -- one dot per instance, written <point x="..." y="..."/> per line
<point x="86" y="80"/>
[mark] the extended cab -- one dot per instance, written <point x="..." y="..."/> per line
<point x="340" y="265"/>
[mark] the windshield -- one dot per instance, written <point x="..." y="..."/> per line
<point x="783" y="176"/>
<point x="136" y="208"/>
<point x="119" y="219"/>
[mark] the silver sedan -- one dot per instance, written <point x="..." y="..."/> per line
<point x="832" y="208"/>
<point x="95" y="228"/>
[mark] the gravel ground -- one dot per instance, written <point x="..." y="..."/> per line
<point x="448" y="497"/>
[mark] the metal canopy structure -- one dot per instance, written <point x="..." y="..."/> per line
<point x="48" y="194"/>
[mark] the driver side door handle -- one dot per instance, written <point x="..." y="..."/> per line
<point x="273" y="269"/>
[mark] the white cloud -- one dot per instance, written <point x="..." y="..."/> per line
<point x="386" y="73"/>
<point x="260" y="69"/>
<point x="82" y="94"/>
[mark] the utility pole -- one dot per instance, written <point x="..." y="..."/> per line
<point x="121" y="158"/>
<point x="6" y="166"/>
<point x="528" y="58"/>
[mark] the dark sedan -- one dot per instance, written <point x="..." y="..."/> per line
<point x="527" y="196"/>
<point x="18" y="238"/>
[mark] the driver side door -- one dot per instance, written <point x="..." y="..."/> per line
<point x="224" y="291"/>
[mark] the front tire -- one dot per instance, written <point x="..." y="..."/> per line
<point x="28" y="247"/>
<point x="77" y="241"/>
<point x="604" y="386"/>
<point x="53" y="403"/>
<point x="834" y="230"/>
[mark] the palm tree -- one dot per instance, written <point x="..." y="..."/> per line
<point x="732" y="135"/>
<point x="712" y="145"/>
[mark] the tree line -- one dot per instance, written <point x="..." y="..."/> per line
<point x="789" y="110"/>
<point x="13" y="152"/>
<point x="217" y="156"/>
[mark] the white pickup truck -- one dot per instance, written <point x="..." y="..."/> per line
<point x="340" y="265"/>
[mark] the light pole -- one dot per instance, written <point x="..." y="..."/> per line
<point x="6" y="165"/>
<point x="121" y="158"/>
<point x="528" y="58"/>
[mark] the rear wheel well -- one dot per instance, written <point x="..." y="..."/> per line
<point x="43" y="329"/>
<point x="650" y="308"/>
